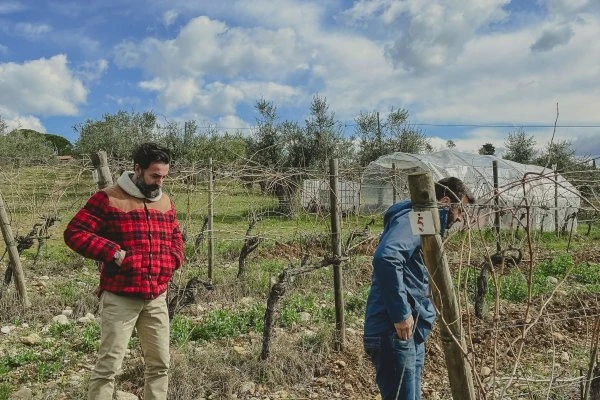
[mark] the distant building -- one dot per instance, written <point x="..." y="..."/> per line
<point x="65" y="159"/>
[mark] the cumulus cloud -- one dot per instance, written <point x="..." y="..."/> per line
<point x="552" y="38"/>
<point x="427" y="35"/>
<point x="498" y="79"/>
<point x="223" y="50"/>
<point x="251" y="57"/>
<point x="45" y="86"/>
<point x="476" y="63"/>
<point x="16" y="121"/>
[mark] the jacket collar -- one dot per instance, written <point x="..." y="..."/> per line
<point x="130" y="188"/>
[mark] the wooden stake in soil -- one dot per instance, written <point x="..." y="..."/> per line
<point x="422" y="194"/>
<point x="100" y="162"/>
<point x="394" y="188"/>
<point x="336" y="246"/>
<point x="13" y="254"/>
<point x="211" y="234"/>
<point x="496" y="206"/>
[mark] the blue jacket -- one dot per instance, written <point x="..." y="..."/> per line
<point x="400" y="283"/>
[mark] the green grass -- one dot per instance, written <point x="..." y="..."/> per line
<point x="90" y="339"/>
<point x="5" y="391"/>
<point x="514" y="285"/>
<point x="23" y="356"/>
<point x="58" y="331"/>
<point x="33" y="366"/>
<point x="47" y="370"/>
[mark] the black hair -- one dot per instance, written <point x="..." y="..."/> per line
<point x="453" y="188"/>
<point x="147" y="153"/>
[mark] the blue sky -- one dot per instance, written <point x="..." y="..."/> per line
<point x="490" y="65"/>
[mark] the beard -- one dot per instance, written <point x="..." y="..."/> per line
<point x="149" y="191"/>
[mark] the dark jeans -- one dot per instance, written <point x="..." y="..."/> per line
<point x="398" y="365"/>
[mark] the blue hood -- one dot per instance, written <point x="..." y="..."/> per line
<point x="400" y="283"/>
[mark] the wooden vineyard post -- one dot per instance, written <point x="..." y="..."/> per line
<point x="496" y="206"/>
<point x="336" y="246"/>
<point x="100" y="162"/>
<point x="211" y="233"/>
<point x="394" y="188"/>
<point x="13" y="254"/>
<point x="422" y="194"/>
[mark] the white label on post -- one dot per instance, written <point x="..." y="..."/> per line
<point x="421" y="223"/>
<point x="95" y="176"/>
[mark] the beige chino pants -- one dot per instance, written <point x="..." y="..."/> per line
<point x="120" y="315"/>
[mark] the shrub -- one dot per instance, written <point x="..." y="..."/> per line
<point x="557" y="267"/>
<point x="224" y="323"/>
<point x="587" y="273"/>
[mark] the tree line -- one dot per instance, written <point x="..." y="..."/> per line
<point x="272" y="143"/>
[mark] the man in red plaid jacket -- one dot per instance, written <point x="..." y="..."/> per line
<point x="132" y="229"/>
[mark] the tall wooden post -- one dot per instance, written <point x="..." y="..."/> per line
<point x="422" y="194"/>
<point x="211" y="234"/>
<point x="496" y="208"/>
<point x="100" y="162"/>
<point x="13" y="255"/>
<point x="556" y="227"/>
<point x="336" y="246"/>
<point x="394" y="188"/>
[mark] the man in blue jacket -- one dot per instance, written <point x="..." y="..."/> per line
<point x="400" y="312"/>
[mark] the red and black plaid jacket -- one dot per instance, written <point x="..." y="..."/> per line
<point x="148" y="231"/>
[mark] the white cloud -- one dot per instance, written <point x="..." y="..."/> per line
<point x="246" y="61"/>
<point x="473" y="140"/>
<point x="206" y="46"/>
<point x="155" y="84"/>
<point x="179" y="93"/>
<point x="169" y="17"/>
<point x="45" y="86"/>
<point x="497" y="79"/>
<point x="16" y="121"/>
<point x="461" y="61"/>
<point x="9" y="7"/>
<point x="121" y="101"/>
<point x="562" y="7"/>
<point x="301" y="16"/>
<point x="233" y="123"/>
<point x="553" y="37"/>
<point x="427" y="34"/>
<point x="582" y="142"/>
<point x="30" y="30"/>
<point x="91" y="71"/>
<point x="3" y="49"/>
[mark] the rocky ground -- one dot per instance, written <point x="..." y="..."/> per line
<point x="549" y="361"/>
<point x="47" y="352"/>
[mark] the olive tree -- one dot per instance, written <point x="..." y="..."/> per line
<point x="377" y="138"/>
<point x="520" y="147"/>
<point x="487" y="149"/>
<point x="117" y="134"/>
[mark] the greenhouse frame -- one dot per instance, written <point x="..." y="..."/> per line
<point x="547" y="194"/>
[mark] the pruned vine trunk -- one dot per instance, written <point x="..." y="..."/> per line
<point x="250" y="244"/>
<point x="278" y="291"/>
